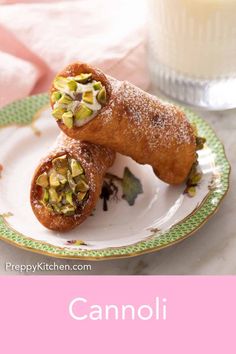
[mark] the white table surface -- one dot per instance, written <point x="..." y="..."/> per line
<point x="211" y="250"/>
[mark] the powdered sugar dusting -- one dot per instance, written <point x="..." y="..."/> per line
<point x="161" y="123"/>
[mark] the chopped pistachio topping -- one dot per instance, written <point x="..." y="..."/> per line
<point x="195" y="176"/>
<point x="55" y="208"/>
<point x="60" y="83"/>
<point x="191" y="191"/>
<point x="65" y="99"/>
<point x="81" y="195"/>
<point x="55" y="96"/>
<point x="67" y="119"/>
<point x="78" y="99"/>
<point x="88" y="97"/>
<point x="60" y="164"/>
<point x="58" y="112"/>
<point x="193" y="180"/>
<point x="72" y="85"/>
<point x="68" y="210"/>
<point x="71" y="181"/>
<point x="54" y="180"/>
<point x="76" y="168"/>
<point x="83" y="78"/>
<point x="83" y="112"/>
<point x="64" y="186"/>
<point x="45" y="196"/>
<point x="101" y="96"/>
<point x="82" y="186"/>
<point x="62" y="179"/>
<point x="200" y="142"/>
<point x="53" y="196"/>
<point x="97" y="85"/>
<point x="42" y="180"/>
<point x="69" y="198"/>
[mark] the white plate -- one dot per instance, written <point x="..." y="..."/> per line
<point x="159" y="217"/>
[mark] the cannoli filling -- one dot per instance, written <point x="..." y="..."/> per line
<point x="64" y="186"/>
<point x="77" y="99"/>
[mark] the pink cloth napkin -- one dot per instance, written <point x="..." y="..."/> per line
<point x="37" y="39"/>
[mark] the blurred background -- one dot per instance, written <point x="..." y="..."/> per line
<point x="39" y="38"/>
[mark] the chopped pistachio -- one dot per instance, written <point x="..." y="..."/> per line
<point x="191" y="191"/>
<point x="83" y="178"/>
<point x="42" y="180"/>
<point x="102" y="96"/>
<point x="56" y="208"/>
<point x="81" y="195"/>
<point x="54" y="180"/>
<point x="68" y="209"/>
<point x="43" y="203"/>
<point x="76" y="168"/>
<point x="195" y="179"/>
<point x="88" y="97"/>
<point x="72" y="85"/>
<point x="58" y="112"/>
<point x="193" y="171"/>
<point x="53" y="196"/>
<point x="55" y="96"/>
<point x="60" y="164"/>
<point x="49" y="207"/>
<point x="71" y="181"/>
<point x="63" y="187"/>
<point x="69" y="198"/>
<point x="82" y="186"/>
<point x="62" y="179"/>
<point x="60" y="83"/>
<point x="45" y="197"/>
<point x="200" y="146"/>
<point x="65" y="99"/>
<point x="200" y="142"/>
<point x="83" y="112"/>
<point x="83" y="78"/>
<point x="67" y="119"/>
<point x="97" y="85"/>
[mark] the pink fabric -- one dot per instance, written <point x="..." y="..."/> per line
<point x="39" y="38"/>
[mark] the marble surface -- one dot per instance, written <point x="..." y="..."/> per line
<point x="211" y="250"/>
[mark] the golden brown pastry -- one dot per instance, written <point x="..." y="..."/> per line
<point x="67" y="183"/>
<point x="91" y="106"/>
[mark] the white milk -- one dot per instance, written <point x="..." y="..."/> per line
<point x="195" y="39"/>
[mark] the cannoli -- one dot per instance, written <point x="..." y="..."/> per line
<point x="90" y="106"/>
<point x="67" y="183"/>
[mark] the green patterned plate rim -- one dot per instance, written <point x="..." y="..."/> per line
<point x="23" y="112"/>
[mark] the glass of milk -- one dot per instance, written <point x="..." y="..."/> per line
<point x="192" y="51"/>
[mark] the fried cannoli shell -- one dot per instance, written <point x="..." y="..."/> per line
<point x="139" y="125"/>
<point x="95" y="161"/>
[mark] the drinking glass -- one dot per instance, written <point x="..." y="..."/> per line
<point x="192" y="51"/>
